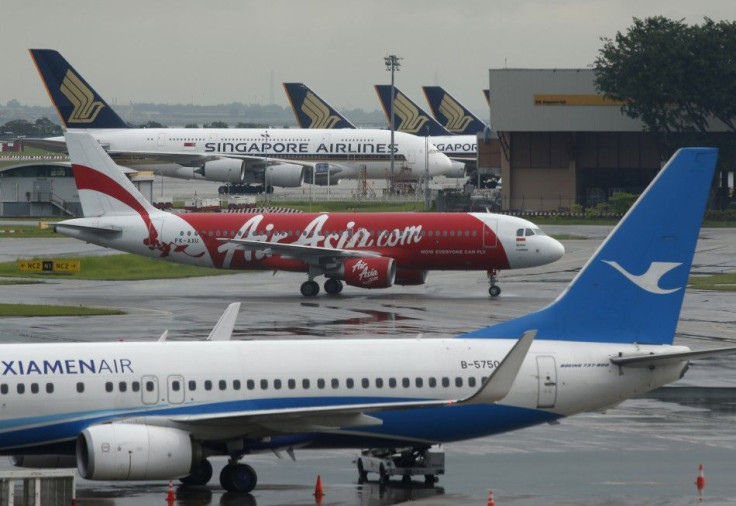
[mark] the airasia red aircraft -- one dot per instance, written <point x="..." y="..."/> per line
<point x="366" y="250"/>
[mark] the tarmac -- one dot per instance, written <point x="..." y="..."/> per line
<point x="646" y="451"/>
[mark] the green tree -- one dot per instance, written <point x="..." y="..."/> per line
<point x="191" y="125"/>
<point x="46" y="128"/>
<point x="216" y="124"/>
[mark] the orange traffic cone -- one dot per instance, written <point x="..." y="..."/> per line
<point x="318" y="490"/>
<point x="491" y="502"/>
<point x="700" y="482"/>
<point x="170" y="496"/>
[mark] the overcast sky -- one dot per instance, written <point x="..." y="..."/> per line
<point x="220" y="51"/>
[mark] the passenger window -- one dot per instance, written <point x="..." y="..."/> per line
<point x="305" y="384"/>
<point x="432" y="382"/>
<point x="277" y="384"/>
<point x="4" y="389"/>
<point x="222" y="384"/>
<point x="108" y="386"/>
<point x="458" y="382"/>
<point x="236" y="384"/>
<point x="250" y="384"/>
<point x="135" y="386"/>
<point x="349" y="383"/>
<point x="392" y="382"/>
<point x="150" y="386"/>
<point x="445" y="382"/>
<point x="49" y="388"/>
<point x="365" y="383"/>
<point x="34" y="388"/>
<point x="471" y="381"/>
<point x="21" y="388"/>
<point x="320" y="383"/>
<point x="419" y="382"/>
<point x="379" y="382"/>
<point x="405" y="382"/>
<point x="122" y="386"/>
<point x="192" y="385"/>
<point x="335" y="383"/>
<point x="80" y="387"/>
<point x="291" y="383"/>
<point x="264" y="384"/>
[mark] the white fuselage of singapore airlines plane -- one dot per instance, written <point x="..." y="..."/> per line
<point x="287" y="156"/>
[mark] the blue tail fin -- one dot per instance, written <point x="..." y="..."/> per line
<point x="631" y="289"/>
<point x="408" y="116"/>
<point x="311" y="111"/>
<point x="78" y="105"/>
<point x="451" y="114"/>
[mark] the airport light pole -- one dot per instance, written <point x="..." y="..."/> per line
<point x="392" y="65"/>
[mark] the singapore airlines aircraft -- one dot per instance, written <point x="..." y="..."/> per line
<point x="451" y="114"/>
<point x="123" y="413"/>
<point x="366" y="250"/>
<point x="265" y="157"/>
<point x="312" y="111"/>
<point x="410" y="118"/>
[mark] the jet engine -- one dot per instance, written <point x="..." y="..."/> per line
<point x="457" y="170"/>
<point x="368" y="272"/>
<point x="284" y="175"/>
<point x="121" y="451"/>
<point x="44" y="461"/>
<point x="405" y="277"/>
<point x="228" y="170"/>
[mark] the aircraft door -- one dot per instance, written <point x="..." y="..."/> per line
<point x="490" y="234"/>
<point x="149" y="390"/>
<point x="175" y="389"/>
<point x="547" y="377"/>
<point x="161" y="139"/>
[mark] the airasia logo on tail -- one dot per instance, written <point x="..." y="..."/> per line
<point x="370" y="272"/>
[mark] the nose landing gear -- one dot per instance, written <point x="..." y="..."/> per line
<point x="494" y="289"/>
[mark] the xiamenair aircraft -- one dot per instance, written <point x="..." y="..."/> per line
<point x="365" y="250"/>
<point x="451" y="114"/>
<point x="119" y="412"/>
<point x="410" y="118"/>
<point x="263" y="157"/>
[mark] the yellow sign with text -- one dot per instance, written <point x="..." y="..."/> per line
<point x="595" y="100"/>
<point x="37" y="265"/>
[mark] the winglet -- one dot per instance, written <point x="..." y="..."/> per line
<point x="223" y="329"/>
<point x="499" y="383"/>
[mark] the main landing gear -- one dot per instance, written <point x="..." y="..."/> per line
<point x="236" y="477"/>
<point x="311" y="288"/>
<point x="494" y="289"/>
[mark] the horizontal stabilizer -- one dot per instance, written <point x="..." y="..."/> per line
<point x="498" y="384"/>
<point x="667" y="358"/>
<point x="223" y="329"/>
<point x="88" y="226"/>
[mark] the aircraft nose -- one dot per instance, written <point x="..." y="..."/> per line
<point x="554" y="250"/>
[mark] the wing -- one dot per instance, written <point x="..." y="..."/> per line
<point x="262" y="423"/>
<point x="651" y="360"/>
<point x="308" y="254"/>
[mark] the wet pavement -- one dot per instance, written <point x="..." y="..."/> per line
<point x="645" y="451"/>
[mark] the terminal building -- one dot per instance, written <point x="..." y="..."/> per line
<point x="561" y="143"/>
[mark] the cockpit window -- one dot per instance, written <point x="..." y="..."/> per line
<point x="529" y="232"/>
<point x="538" y="231"/>
<point x="520" y="232"/>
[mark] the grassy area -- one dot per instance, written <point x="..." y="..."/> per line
<point x="28" y="310"/>
<point x="19" y="282"/>
<point x="720" y="282"/>
<point x="123" y="267"/>
<point x="27" y="232"/>
<point x="357" y="206"/>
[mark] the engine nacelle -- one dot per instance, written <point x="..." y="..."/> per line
<point x="284" y="175"/>
<point x="121" y="451"/>
<point x="368" y="272"/>
<point x="228" y="170"/>
<point x="44" y="461"/>
<point x="405" y="277"/>
<point x="456" y="171"/>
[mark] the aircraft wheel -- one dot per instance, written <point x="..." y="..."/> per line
<point x="200" y="475"/>
<point x="382" y="474"/>
<point x="238" y="478"/>
<point x="310" y="288"/>
<point x="430" y="479"/>
<point x="333" y="286"/>
<point x="494" y="291"/>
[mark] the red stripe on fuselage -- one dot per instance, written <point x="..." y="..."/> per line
<point x="415" y="241"/>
